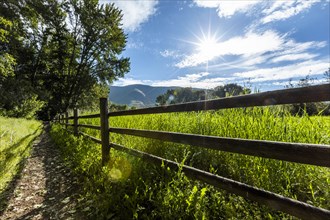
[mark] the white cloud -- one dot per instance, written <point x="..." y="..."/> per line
<point x="285" y="72"/>
<point x="197" y="80"/>
<point x="134" y="45"/>
<point x="248" y="45"/>
<point x="252" y="49"/>
<point x="281" y="10"/>
<point x="295" y="82"/>
<point x="135" y="12"/>
<point x="258" y="76"/>
<point x="293" y="57"/>
<point x="170" y="53"/>
<point x="270" y="10"/>
<point x="293" y="47"/>
<point x="129" y="81"/>
<point x="227" y="8"/>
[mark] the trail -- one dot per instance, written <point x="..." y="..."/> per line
<point x="46" y="188"/>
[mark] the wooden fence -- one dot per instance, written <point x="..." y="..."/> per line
<point x="313" y="154"/>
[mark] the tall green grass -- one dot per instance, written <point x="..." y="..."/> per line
<point x="16" y="136"/>
<point x="158" y="192"/>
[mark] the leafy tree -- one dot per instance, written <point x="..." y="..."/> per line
<point x="65" y="48"/>
<point x="305" y="108"/>
<point x="90" y="99"/>
<point x="231" y="89"/>
<point x="327" y="75"/>
<point x="7" y="61"/>
<point x="115" y="107"/>
<point x="182" y="95"/>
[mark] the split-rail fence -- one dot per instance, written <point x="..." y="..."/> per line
<point x="312" y="154"/>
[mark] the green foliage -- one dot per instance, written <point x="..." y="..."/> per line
<point x="4" y="23"/>
<point x="312" y="108"/>
<point x="327" y="75"/>
<point x="90" y="100"/>
<point x="132" y="188"/>
<point x="231" y="89"/>
<point x="16" y="136"/>
<point x="182" y="95"/>
<point x="115" y="107"/>
<point x="63" y="49"/>
<point x="19" y="100"/>
<point x="7" y="61"/>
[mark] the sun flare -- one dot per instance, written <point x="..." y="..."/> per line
<point x="208" y="46"/>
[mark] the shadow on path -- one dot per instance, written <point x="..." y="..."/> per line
<point x="46" y="188"/>
<point x="9" y="190"/>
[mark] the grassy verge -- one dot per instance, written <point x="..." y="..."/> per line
<point x="16" y="136"/>
<point x="131" y="188"/>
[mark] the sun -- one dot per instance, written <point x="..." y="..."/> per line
<point x="208" y="46"/>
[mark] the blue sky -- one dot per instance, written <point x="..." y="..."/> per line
<point x="204" y="44"/>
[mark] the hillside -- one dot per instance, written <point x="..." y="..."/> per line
<point x="136" y="95"/>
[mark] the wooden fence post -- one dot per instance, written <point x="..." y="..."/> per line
<point x="104" y="130"/>
<point x="75" y="121"/>
<point x="66" y="120"/>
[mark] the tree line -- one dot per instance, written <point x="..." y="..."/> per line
<point x="181" y="95"/>
<point x="56" y="55"/>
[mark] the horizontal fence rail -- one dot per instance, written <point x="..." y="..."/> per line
<point x="89" y="116"/>
<point x="90" y="126"/>
<point x="294" y="152"/>
<point x="91" y="137"/>
<point x="313" y="154"/>
<point x="317" y="93"/>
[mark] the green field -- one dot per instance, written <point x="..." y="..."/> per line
<point x="16" y="136"/>
<point x="131" y="188"/>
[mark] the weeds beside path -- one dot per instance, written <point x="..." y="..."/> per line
<point x="46" y="188"/>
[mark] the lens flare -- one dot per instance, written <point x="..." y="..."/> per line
<point x="119" y="169"/>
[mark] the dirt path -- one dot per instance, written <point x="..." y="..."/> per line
<point x="46" y="188"/>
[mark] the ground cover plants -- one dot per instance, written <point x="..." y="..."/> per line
<point x="16" y="136"/>
<point x="129" y="187"/>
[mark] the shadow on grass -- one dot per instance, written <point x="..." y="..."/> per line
<point x="7" y="193"/>
<point x="61" y="192"/>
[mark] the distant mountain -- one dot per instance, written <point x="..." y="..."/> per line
<point x="136" y="95"/>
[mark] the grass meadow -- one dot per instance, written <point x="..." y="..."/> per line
<point x="129" y="187"/>
<point x="16" y="136"/>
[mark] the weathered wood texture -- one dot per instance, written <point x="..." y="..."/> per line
<point x="90" y="116"/>
<point x="75" y="121"/>
<point x="83" y="116"/>
<point x="294" y="152"/>
<point x="66" y="119"/>
<point x="317" y="93"/>
<point x="275" y="201"/>
<point x="104" y="130"/>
